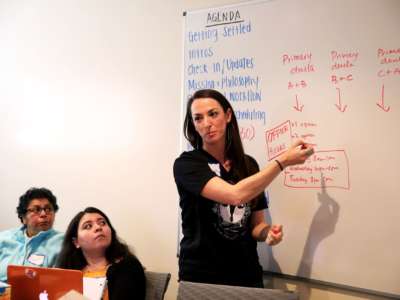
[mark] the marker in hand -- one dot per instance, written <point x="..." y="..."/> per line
<point x="310" y="150"/>
<point x="274" y="235"/>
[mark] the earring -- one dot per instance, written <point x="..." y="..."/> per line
<point x="75" y="243"/>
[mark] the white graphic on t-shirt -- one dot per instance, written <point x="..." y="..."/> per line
<point x="215" y="168"/>
<point x="231" y="220"/>
<point x="230" y="213"/>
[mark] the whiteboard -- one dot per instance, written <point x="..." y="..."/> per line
<point x="327" y="72"/>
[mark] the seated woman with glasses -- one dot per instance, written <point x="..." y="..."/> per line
<point x="91" y="244"/>
<point x="35" y="243"/>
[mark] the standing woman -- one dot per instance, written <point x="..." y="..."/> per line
<point x="91" y="245"/>
<point x="222" y="196"/>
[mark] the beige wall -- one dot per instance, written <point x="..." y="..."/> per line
<point x="90" y="109"/>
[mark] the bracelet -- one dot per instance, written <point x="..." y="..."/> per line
<point x="279" y="164"/>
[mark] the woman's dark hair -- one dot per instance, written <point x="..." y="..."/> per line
<point x="35" y="193"/>
<point x="233" y="144"/>
<point x="71" y="257"/>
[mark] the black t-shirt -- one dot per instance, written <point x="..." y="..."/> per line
<point x="217" y="246"/>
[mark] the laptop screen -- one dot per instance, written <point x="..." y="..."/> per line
<point x="33" y="283"/>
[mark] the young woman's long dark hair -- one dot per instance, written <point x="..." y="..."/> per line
<point x="71" y="257"/>
<point x="233" y="144"/>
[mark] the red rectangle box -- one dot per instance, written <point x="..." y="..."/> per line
<point x="322" y="169"/>
<point x="278" y="139"/>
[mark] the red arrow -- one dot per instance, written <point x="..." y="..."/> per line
<point x="297" y="107"/>
<point x="339" y="106"/>
<point x="382" y="103"/>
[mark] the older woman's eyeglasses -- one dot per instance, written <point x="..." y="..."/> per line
<point x="36" y="210"/>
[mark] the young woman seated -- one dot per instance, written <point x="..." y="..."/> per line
<point x="91" y="245"/>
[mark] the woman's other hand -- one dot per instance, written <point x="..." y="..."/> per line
<point x="275" y="235"/>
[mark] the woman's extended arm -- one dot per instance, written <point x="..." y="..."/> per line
<point x="248" y="188"/>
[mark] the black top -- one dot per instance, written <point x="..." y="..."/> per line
<point x="126" y="280"/>
<point x="217" y="246"/>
